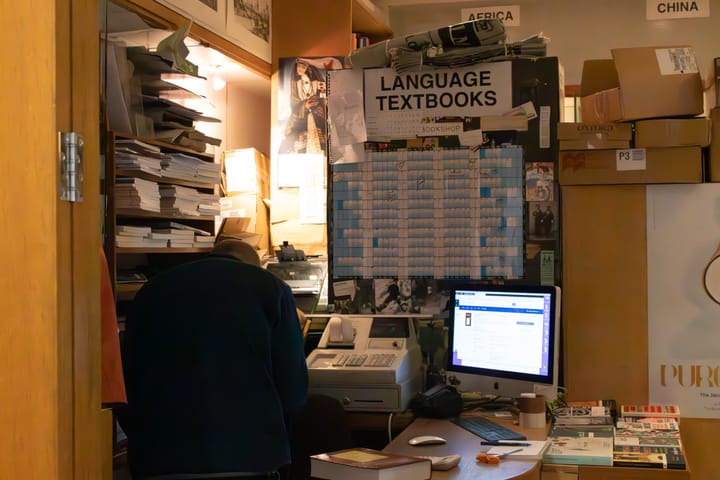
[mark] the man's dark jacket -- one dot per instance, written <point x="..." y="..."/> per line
<point x="215" y="370"/>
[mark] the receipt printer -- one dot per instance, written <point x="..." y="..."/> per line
<point x="370" y="363"/>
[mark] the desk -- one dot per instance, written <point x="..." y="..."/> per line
<point x="464" y="443"/>
<point x="460" y="441"/>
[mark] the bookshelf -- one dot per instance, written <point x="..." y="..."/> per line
<point x="144" y="257"/>
<point x="241" y="104"/>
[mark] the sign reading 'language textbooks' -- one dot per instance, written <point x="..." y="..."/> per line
<point x="396" y="104"/>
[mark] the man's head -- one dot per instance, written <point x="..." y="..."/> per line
<point x="231" y="247"/>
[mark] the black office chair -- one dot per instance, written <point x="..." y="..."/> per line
<point x="324" y="426"/>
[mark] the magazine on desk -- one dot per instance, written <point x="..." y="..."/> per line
<point x="584" y="415"/>
<point x="580" y="445"/>
<point x="580" y="451"/>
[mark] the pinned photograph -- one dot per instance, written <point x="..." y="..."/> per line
<point x="539" y="177"/>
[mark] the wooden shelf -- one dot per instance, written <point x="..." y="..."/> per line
<point x="130" y="212"/>
<point x="126" y="250"/>
<point x="165" y="180"/>
<point x="367" y="19"/>
<point x="167" y="146"/>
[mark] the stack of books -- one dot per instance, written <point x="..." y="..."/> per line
<point x="649" y="436"/>
<point x="136" y="193"/>
<point x="132" y="236"/>
<point x="582" y="433"/>
<point x="583" y="415"/>
<point x="580" y="445"/>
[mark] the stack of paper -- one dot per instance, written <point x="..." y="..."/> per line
<point x="202" y="241"/>
<point x="139" y="163"/>
<point x="129" y="236"/>
<point x="177" y="238"/>
<point x="136" y="193"/>
<point x="178" y="200"/>
<point x="208" y="172"/>
<point x="187" y="167"/>
<point x="208" y="204"/>
<point x="180" y="166"/>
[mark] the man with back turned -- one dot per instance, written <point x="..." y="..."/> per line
<point x="214" y="368"/>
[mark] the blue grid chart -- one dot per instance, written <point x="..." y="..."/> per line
<point x="443" y="214"/>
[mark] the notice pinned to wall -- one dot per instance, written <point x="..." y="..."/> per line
<point x="672" y="10"/>
<point x="509" y="15"/>
<point x="397" y="105"/>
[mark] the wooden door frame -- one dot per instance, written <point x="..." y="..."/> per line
<point x="82" y="447"/>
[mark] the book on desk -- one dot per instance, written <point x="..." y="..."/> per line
<point x="369" y="464"/>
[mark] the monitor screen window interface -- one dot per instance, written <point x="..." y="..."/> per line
<point x="503" y="340"/>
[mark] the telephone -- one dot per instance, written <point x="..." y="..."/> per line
<point x="440" y="401"/>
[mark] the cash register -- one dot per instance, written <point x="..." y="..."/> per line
<point x="370" y="363"/>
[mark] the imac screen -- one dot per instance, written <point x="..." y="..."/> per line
<point x="504" y="332"/>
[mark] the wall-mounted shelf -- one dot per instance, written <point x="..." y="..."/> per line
<point x="368" y="19"/>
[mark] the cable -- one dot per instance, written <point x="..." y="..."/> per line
<point x="389" y="427"/>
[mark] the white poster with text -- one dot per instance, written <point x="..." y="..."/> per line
<point x="683" y="231"/>
<point x="397" y="104"/>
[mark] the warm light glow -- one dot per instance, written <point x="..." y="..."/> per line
<point x="240" y="170"/>
<point x="218" y="83"/>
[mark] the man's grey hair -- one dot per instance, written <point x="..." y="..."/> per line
<point x="231" y="247"/>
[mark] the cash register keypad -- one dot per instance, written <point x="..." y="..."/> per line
<point x="355" y="360"/>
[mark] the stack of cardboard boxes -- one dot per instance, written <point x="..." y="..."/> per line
<point x="641" y="120"/>
<point x="245" y="197"/>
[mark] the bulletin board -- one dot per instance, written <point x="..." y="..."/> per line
<point x="430" y="198"/>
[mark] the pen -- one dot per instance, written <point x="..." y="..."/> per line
<point x="505" y="444"/>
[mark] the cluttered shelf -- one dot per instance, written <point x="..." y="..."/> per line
<point x="121" y="250"/>
<point x="156" y="178"/>
<point x="134" y="212"/>
<point x="164" y="146"/>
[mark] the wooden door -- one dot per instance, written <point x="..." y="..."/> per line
<point x="49" y="282"/>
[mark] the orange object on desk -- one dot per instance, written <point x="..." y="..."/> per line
<point x="493" y="459"/>
<point x="485" y="458"/>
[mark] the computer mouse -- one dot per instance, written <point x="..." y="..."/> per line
<point x="426" y="440"/>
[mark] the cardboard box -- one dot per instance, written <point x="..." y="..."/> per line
<point x="714" y="163"/>
<point x="673" y="132"/>
<point x="250" y="213"/>
<point x="602" y="167"/>
<point x="651" y="82"/>
<point x="585" y="136"/>
<point x="245" y="170"/>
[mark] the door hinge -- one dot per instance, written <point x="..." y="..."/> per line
<point x="70" y="155"/>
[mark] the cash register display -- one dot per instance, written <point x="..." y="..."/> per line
<point x="499" y="333"/>
<point x="389" y="328"/>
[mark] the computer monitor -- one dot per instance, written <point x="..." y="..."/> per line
<point x="504" y="339"/>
